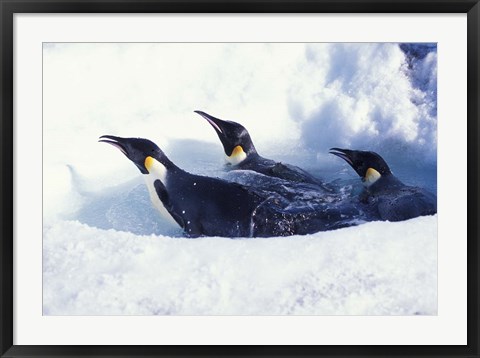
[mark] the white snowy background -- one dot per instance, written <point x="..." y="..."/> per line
<point x="107" y="252"/>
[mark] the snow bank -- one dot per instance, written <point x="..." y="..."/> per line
<point x="378" y="268"/>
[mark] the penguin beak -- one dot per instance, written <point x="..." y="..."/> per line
<point x="117" y="142"/>
<point x="214" y="122"/>
<point x="345" y="154"/>
<point x="135" y="149"/>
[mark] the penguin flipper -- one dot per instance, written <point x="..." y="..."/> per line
<point x="165" y="199"/>
<point x="193" y="231"/>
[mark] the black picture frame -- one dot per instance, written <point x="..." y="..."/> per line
<point x="10" y="7"/>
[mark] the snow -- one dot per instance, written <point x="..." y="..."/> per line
<point x="358" y="270"/>
<point x="106" y="251"/>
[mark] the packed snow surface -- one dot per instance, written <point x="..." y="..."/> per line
<point x="378" y="268"/>
<point x="106" y="251"/>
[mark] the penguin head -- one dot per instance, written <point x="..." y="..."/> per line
<point x="145" y="154"/>
<point x="235" y="139"/>
<point x="369" y="165"/>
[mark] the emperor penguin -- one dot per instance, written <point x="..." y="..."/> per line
<point x="389" y="198"/>
<point x="240" y="153"/>
<point x="201" y="206"/>
<point x="205" y="206"/>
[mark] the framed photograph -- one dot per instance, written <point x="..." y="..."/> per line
<point x="239" y="179"/>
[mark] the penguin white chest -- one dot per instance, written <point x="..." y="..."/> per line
<point x="157" y="171"/>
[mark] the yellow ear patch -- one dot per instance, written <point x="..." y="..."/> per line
<point x="237" y="156"/>
<point x="371" y="176"/>
<point x="149" y="161"/>
<point x="238" y="150"/>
